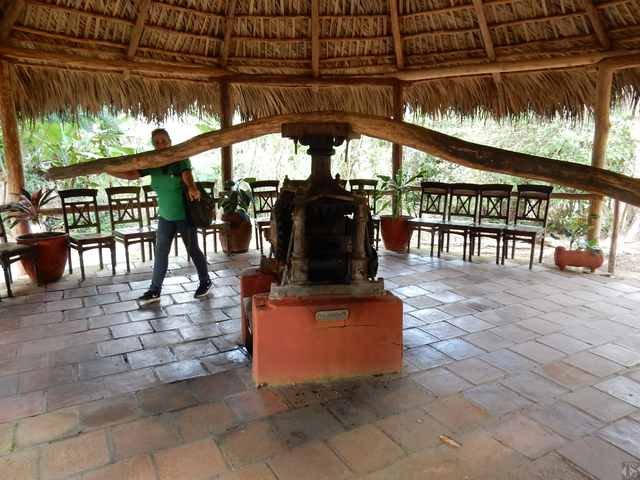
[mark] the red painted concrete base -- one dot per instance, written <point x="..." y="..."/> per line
<point x="291" y="345"/>
<point x="252" y="281"/>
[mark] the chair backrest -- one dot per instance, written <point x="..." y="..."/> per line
<point x="495" y="203"/>
<point x="463" y="201"/>
<point x="532" y="205"/>
<point x="210" y="189"/>
<point x="124" y="206"/>
<point x="151" y="204"/>
<point x="367" y="187"/>
<point x="80" y="209"/>
<point x="433" y="199"/>
<point x="265" y="194"/>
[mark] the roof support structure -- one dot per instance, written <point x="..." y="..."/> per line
<point x="11" y="140"/>
<point x="600" y="138"/>
<point x="226" y="121"/>
<point x="597" y="24"/>
<point x="138" y="28"/>
<point x="228" y="32"/>
<point x="398" y="114"/>
<point x="468" y="154"/>
<point x="397" y="35"/>
<point x="13" y="12"/>
<point x="315" y="38"/>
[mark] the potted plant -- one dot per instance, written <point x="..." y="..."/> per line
<point x="588" y="255"/>
<point x="52" y="247"/>
<point x="235" y="206"/>
<point x="395" y="227"/>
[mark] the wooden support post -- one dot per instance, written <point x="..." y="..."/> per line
<point x="11" y="139"/>
<point x="226" y="120"/>
<point x="613" y="248"/>
<point x="398" y="114"/>
<point x="600" y="137"/>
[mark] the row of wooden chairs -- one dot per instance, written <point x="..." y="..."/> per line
<point x="128" y="224"/>
<point x="475" y="212"/>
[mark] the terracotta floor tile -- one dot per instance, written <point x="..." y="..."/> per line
<point x="413" y="430"/>
<point x="567" y="375"/>
<point x="143" y="436"/>
<point x="305" y="424"/>
<point x="217" y="386"/>
<point x="457" y="413"/>
<point x="182" y="370"/>
<point x="365" y="449"/>
<point x="599" y="404"/>
<point x="76" y="455"/>
<point x="74" y="394"/>
<point x="253" y="442"/>
<point x="257" y="471"/>
<point x="165" y="398"/>
<point x="203" y="420"/>
<point x="254" y="404"/>
<point x="6" y="438"/>
<point x="21" y="465"/>
<point x="109" y="411"/>
<point x="313" y="461"/>
<point x="47" y="427"/>
<point x="102" y="367"/>
<point x="566" y="420"/>
<point x="151" y="357"/>
<point x="122" y="345"/>
<point x="138" y="468"/>
<point x="193" y="461"/>
<point x="130" y="381"/>
<point x="624" y="434"/>
<point x="13" y="408"/>
<point x="550" y="466"/>
<point x="526" y="436"/>
<point x="596" y="457"/>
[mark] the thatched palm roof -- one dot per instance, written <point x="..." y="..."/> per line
<point x="503" y="57"/>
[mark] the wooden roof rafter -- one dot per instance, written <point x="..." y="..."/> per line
<point x="136" y="33"/>
<point x="229" y="22"/>
<point x="599" y="29"/>
<point x="394" y="17"/>
<point x="13" y="12"/>
<point x="315" y="38"/>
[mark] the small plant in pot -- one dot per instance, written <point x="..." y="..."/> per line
<point x="235" y="207"/>
<point x="588" y="255"/>
<point x="395" y="227"/>
<point x="52" y="247"/>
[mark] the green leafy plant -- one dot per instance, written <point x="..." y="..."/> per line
<point x="237" y="197"/>
<point x="401" y="189"/>
<point x="29" y="209"/>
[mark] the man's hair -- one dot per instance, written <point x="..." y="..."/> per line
<point x="159" y="131"/>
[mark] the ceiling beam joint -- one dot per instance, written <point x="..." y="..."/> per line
<point x="138" y="28"/>
<point x="11" y="16"/>
<point x="229" y="22"/>
<point x="394" y="17"/>
<point x="599" y="29"/>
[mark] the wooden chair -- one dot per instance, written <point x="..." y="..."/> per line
<point x="264" y="195"/>
<point x="530" y="220"/>
<point x="432" y="212"/>
<point x="11" y="252"/>
<point x="217" y="227"/>
<point x="494" y="205"/>
<point x="125" y="209"/>
<point x="462" y="212"/>
<point x="82" y="223"/>
<point x="368" y="187"/>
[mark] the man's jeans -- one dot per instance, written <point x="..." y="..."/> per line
<point x="164" y="237"/>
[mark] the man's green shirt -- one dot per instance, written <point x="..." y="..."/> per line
<point x="167" y="183"/>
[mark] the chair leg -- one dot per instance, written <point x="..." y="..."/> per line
<point x="69" y="258"/>
<point x="533" y="249"/>
<point x="378" y="237"/>
<point x="448" y="239"/>
<point x="215" y="242"/>
<point x="479" y="247"/>
<point x="541" y="249"/>
<point x="419" y="238"/>
<point x="144" y="258"/>
<point x="464" y="247"/>
<point x="126" y="256"/>
<point x="101" y="259"/>
<point x="498" y="249"/>
<point x="81" y="255"/>
<point x="260" y="239"/>
<point x="6" y="268"/>
<point x="432" y="235"/>
<point x="204" y="242"/>
<point x="513" y="249"/>
<point x="112" y="248"/>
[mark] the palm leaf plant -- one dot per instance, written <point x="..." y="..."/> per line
<point x="401" y="192"/>
<point x="237" y="198"/>
<point x="30" y="207"/>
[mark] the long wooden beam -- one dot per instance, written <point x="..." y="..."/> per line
<point x="484" y="29"/>
<point x="138" y="28"/>
<point x="584" y="177"/>
<point x="11" y="15"/>
<point x="394" y="17"/>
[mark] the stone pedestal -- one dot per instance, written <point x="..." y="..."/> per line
<point x="297" y="340"/>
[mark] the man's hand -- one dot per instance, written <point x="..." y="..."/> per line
<point x="193" y="193"/>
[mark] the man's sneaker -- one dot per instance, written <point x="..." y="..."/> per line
<point x="203" y="289"/>
<point x="149" y="296"/>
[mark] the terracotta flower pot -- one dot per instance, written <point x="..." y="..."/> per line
<point x="577" y="258"/>
<point x="395" y="233"/>
<point x="239" y="234"/>
<point x="51" y="258"/>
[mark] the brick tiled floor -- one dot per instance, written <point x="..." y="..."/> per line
<point x="531" y="374"/>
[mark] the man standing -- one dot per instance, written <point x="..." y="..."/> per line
<point x="167" y="182"/>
